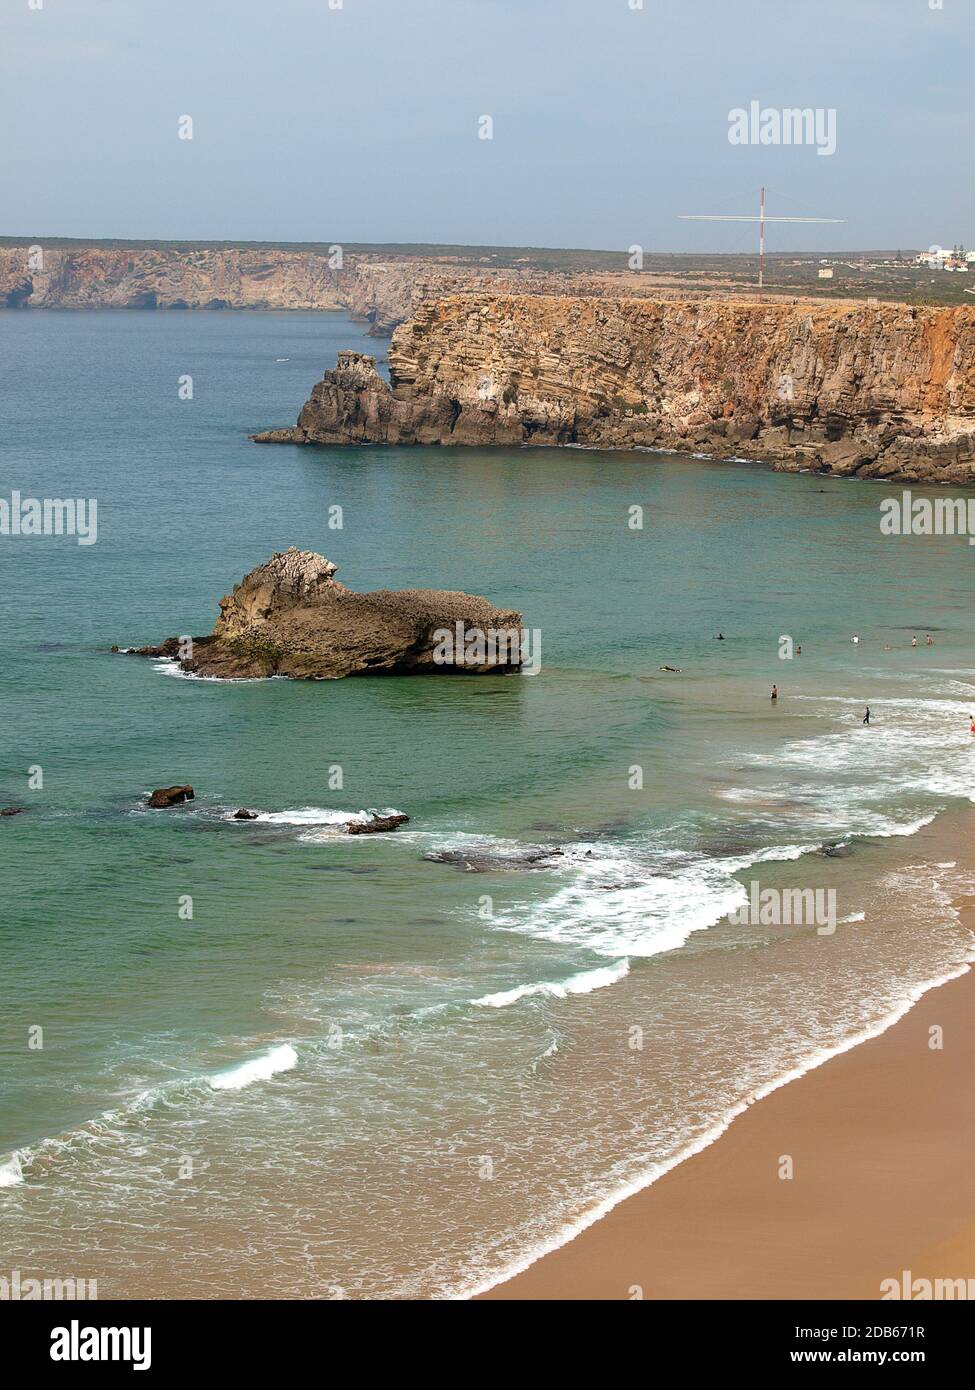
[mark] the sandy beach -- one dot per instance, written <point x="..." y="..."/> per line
<point x="880" y="1139"/>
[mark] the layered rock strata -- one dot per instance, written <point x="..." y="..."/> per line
<point x="873" y="390"/>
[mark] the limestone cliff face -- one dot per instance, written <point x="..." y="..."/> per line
<point x="204" y="278"/>
<point x="380" y="291"/>
<point x="875" y="390"/>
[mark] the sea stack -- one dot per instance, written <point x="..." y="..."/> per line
<point x="291" y="617"/>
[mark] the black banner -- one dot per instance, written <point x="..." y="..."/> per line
<point x="169" y="1338"/>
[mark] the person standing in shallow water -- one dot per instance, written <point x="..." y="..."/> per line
<point x="775" y="693"/>
<point x="866" y="717"/>
<point x="914" y="640"/>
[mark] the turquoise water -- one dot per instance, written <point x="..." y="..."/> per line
<point x="452" y="1070"/>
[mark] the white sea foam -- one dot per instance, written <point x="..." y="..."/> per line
<point x="277" y="1059"/>
<point x="576" y="1225"/>
<point x="312" y="815"/>
<point x="169" y="666"/>
<point x="112" y="1125"/>
<point x="620" y="902"/>
<point x="583" y="983"/>
<point x="11" y="1170"/>
<point x="320" y="817"/>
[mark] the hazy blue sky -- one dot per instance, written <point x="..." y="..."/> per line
<point x="360" y="123"/>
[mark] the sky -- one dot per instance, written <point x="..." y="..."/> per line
<point x="362" y="121"/>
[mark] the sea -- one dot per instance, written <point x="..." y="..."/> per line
<point x="265" y="1059"/>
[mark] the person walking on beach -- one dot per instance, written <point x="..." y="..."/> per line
<point x="775" y="693"/>
<point x="866" y="717"/>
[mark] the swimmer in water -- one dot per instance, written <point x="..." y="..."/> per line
<point x="798" y="649"/>
<point x="855" y="638"/>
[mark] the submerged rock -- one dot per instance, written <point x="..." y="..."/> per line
<point x="483" y="859"/>
<point x="290" y="617"/>
<point x="170" y="796"/>
<point x="12" y="810"/>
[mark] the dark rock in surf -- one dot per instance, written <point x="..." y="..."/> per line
<point x="376" y="824"/>
<point x="485" y="860"/>
<point x="243" y="814"/>
<point x="171" y="796"/>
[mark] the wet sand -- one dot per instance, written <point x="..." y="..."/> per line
<point x="881" y="1141"/>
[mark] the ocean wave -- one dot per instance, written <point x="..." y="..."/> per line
<point x="624" y="901"/>
<point x="324" y="825"/>
<point x="600" y="1208"/>
<point x="11" y="1170"/>
<point x="277" y="1059"/>
<point x="112" y="1124"/>
<point x="583" y="983"/>
<point x="313" y="816"/>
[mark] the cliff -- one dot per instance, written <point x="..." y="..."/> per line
<point x="872" y="390"/>
<point x="380" y="291"/>
<point x="291" y="617"/>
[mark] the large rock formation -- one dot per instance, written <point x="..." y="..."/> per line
<point x="168" y="278"/>
<point x="290" y="617"/>
<point x="380" y="290"/>
<point x="873" y="390"/>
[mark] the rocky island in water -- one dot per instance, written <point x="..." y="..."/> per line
<point x="291" y="617"/>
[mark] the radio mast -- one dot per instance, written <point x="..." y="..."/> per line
<point x="761" y="219"/>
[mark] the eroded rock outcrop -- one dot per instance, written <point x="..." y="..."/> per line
<point x="290" y="617"/>
<point x="872" y="390"/>
<point x="164" y="797"/>
<point x="381" y="290"/>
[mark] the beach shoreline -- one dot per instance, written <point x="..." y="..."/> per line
<point x="878" y="1137"/>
